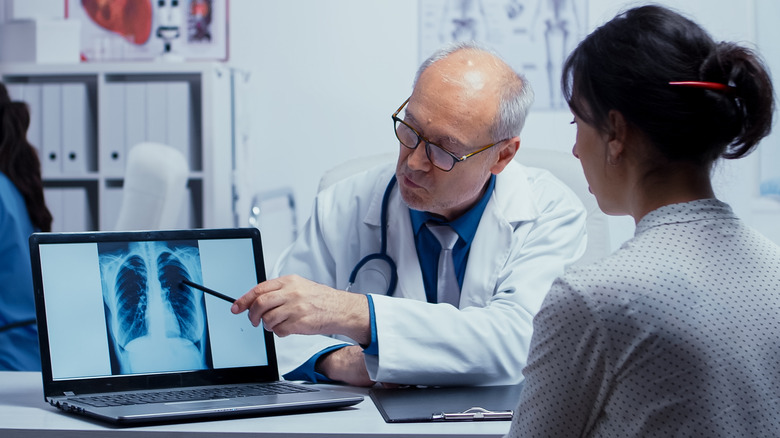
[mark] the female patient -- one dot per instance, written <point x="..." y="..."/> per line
<point x="678" y="332"/>
<point x="22" y="211"/>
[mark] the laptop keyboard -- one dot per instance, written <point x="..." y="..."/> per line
<point x="183" y="395"/>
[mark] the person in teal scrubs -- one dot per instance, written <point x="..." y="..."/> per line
<point x="22" y="211"/>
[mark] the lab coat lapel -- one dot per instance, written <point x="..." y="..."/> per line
<point x="511" y="202"/>
<point x="400" y="246"/>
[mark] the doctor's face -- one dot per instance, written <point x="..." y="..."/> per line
<point x="457" y="118"/>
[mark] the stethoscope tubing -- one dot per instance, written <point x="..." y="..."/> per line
<point x="382" y="254"/>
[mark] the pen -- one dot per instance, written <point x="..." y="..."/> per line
<point x="208" y="291"/>
<point x="474" y="414"/>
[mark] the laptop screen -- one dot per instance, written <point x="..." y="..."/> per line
<point x="115" y="305"/>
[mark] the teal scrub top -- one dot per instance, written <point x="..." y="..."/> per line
<point x="18" y="346"/>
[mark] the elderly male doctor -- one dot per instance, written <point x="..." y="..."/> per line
<point x="517" y="229"/>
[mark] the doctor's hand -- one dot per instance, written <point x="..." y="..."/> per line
<point x="347" y="364"/>
<point x="294" y="305"/>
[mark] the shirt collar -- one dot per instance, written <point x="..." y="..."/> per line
<point x="466" y="224"/>
<point x="700" y="209"/>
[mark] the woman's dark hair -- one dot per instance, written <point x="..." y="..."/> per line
<point x="626" y="65"/>
<point x="19" y="160"/>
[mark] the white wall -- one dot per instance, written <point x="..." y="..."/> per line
<point x="326" y="75"/>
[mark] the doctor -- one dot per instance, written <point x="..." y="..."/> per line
<point x="517" y="229"/>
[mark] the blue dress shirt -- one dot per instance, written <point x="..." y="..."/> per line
<point x="428" y="246"/>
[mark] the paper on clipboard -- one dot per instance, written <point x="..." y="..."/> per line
<point x="473" y="403"/>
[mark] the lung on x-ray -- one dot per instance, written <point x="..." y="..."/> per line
<point x="154" y="322"/>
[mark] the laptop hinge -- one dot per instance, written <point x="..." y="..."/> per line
<point x="69" y="393"/>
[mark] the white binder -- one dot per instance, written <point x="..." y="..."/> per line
<point x="156" y="112"/>
<point x="110" y="203"/>
<point x="180" y="118"/>
<point x="32" y="95"/>
<point x="53" y="198"/>
<point x="135" y="114"/>
<point x="114" y="151"/>
<point x="15" y="91"/>
<point x="75" y="209"/>
<point x="51" y="136"/>
<point x="76" y="128"/>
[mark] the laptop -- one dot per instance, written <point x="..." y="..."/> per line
<point x="124" y="339"/>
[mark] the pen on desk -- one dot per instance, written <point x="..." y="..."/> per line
<point x="208" y="291"/>
<point x="473" y="414"/>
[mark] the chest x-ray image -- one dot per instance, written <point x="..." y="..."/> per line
<point x="154" y="322"/>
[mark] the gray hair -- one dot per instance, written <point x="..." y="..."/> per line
<point x="516" y="94"/>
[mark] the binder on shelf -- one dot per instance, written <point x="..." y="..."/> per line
<point x="110" y="203"/>
<point x="156" y="112"/>
<point x="180" y="118"/>
<point x="75" y="209"/>
<point x="135" y="114"/>
<point x="51" y="134"/>
<point x="69" y="207"/>
<point x="76" y="128"/>
<point x="112" y="153"/>
<point x="53" y="198"/>
<point x="186" y="214"/>
<point x="15" y="91"/>
<point x="32" y="95"/>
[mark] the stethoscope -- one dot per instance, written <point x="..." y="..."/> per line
<point x="382" y="255"/>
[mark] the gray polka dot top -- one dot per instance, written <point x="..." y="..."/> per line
<point x="675" y="334"/>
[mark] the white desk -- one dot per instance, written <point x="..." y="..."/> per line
<point x="24" y="413"/>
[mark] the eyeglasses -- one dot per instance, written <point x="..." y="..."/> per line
<point x="437" y="155"/>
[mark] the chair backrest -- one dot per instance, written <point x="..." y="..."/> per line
<point x="567" y="168"/>
<point x="154" y="188"/>
<point x="563" y="165"/>
<point x="353" y="166"/>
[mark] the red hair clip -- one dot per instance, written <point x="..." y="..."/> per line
<point x="716" y="86"/>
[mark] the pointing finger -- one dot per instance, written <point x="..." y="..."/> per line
<point x="245" y="301"/>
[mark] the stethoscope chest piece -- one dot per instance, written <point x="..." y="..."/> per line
<point x="375" y="276"/>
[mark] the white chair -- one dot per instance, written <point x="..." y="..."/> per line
<point x="353" y="166"/>
<point x="563" y="165"/>
<point x="154" y="188"/>
<point x="567" y="168"/>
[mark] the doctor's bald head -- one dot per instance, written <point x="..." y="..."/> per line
<point x="479" y="70"/>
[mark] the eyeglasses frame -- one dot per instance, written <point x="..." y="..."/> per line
<point x="421" y="138"/>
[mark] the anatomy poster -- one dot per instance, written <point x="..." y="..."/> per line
<point x="171" y="30"/>
<point x="533" y="36"/>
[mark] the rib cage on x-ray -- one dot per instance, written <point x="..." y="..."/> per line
<point x="131" y="306"/>
<point x="155" y="322"/>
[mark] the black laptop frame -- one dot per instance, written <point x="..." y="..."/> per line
<point x="119" y="383"/>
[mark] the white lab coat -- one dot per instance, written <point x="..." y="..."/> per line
<point x="532" y="228"/>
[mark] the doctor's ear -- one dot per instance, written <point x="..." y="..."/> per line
<point x="506" y="153"/>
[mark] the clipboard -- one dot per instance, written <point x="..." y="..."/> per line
<point x="431" y="404"/>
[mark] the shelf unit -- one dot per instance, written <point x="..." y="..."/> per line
<point x="105" y="108"/>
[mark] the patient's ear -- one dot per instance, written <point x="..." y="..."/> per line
<point x="506" y="152"/>
<point x="617" y="136"/>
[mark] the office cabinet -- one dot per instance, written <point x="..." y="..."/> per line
<point x="85" y="118"/>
